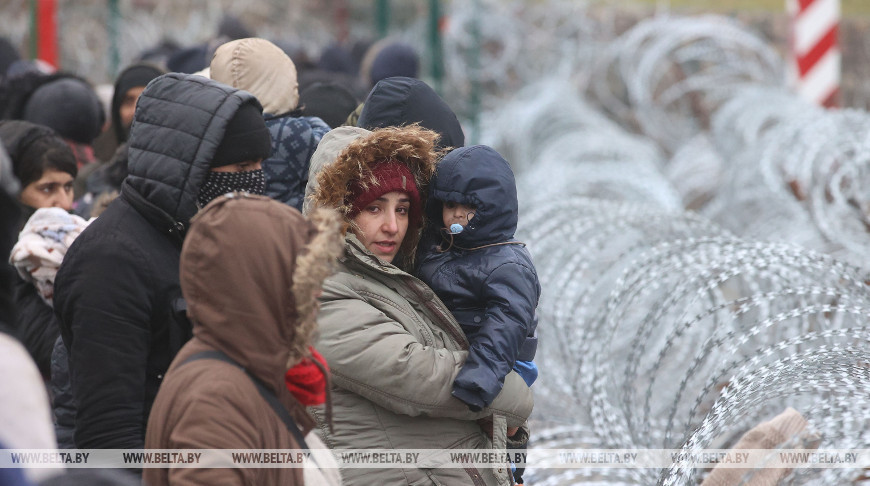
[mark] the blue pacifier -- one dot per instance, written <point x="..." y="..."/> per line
<point x="456" y="228"/>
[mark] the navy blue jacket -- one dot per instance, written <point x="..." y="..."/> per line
<point x="492" y="290"/>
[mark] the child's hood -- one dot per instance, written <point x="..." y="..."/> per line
<point x="477" y="176"/>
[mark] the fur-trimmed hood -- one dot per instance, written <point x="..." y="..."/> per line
<point x="250" y="270"/>
<point x="411" y="145"/>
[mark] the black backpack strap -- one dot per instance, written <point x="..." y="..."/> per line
<point x="267" y="394"/>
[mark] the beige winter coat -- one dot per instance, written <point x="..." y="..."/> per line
<point x="393" y="348"/>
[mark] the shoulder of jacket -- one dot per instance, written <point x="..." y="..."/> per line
<point x="511" y="263"/>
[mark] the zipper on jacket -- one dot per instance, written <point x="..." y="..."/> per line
<point x="460" y="339"/>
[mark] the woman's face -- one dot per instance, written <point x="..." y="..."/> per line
<point x="53" y="190"/>
<point x="383" y="223"/>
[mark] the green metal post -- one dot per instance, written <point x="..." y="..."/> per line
<point x="114" y="38"/>
<point x="382" y="17"/>
<point x="474" y="65"/>
<point x="435" y="49"/>
<point x="34" y="34"/>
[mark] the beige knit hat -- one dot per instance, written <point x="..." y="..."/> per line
<point x="261" y="68"/>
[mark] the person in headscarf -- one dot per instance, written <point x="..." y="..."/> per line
<point x="45" y="167"/>
<point x="128" y="86"/>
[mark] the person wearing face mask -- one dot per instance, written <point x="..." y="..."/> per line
<point x="117" y="293"/>
<point x="46" y="167"/>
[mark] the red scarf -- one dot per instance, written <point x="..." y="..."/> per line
<point x="306" y="381"/>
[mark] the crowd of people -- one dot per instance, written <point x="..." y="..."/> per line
<point x="236" y="250"/>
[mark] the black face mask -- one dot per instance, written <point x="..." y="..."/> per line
<point x="220" y="183"/>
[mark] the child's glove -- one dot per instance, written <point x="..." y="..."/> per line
<point x="519" y="440"/>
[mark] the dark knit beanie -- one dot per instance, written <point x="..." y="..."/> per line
<point x="68" y="105"/>
<point x="386" y="177"/>
<point x="246" y="138"/>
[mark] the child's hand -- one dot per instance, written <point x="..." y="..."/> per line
<point x="512" y="430"/>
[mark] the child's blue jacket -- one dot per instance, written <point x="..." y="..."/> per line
<point x="492" y="290"/>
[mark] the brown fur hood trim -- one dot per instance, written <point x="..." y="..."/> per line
<point x="411" y="145"/>
<point x="312" y="267"/>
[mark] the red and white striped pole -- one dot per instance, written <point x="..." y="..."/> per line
<point x="815" y="53"/>
<point x="43" y="31"/>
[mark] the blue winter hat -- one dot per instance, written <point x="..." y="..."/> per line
<point x="395" y="60"/>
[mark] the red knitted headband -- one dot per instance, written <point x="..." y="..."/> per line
<point x="390" y="176"/>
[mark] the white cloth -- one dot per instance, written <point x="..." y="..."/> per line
<point x="42" y="245"/>
<point x="25" y="415"/>
<point x="323" y="470"/>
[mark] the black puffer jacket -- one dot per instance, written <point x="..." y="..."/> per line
<point x="491" y="288"/>
<point x="117" y="294"/>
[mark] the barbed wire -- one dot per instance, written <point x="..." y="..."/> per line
<point x="650" y="314"/>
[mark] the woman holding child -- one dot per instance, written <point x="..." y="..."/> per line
<point x="393" y="348"/>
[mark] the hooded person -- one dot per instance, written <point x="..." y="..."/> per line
<point x="331" y="102"/>
<point x="117" y="293"/>
<point x="393" y="348"/>
<point x="402" y="101"/>
<point x="482" y="274"/>
<point x="96" y="181"/>
<point x="264" y="69"/>
<point x="388" y="58"/>
<point x="395" y="59"/>
<point x="245" y="335"/>
<point x="399" y="101"/>
<point x="128" y="86"/>
<point x="479" y="270"/>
